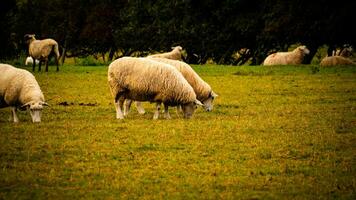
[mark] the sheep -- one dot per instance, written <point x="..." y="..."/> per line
<point x="142" y="79"/>
<point x="202" y="89"/>
<point x="346" y="51"/>
<point x="294" y="57"/>
<point x="41" y="50"/>
<point x="19" y="89"/>
<point x="175" y="54"/>
<point x="336" y="60"/>
<point x="29" y="60"/>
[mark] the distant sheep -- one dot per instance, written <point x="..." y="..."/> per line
<point x="175" y="54"/>
<point x="346" y="51"/>
<point x="142" y="79"/>
<point x="294" y="57"/>
<point x="336" y="60"/>
<point x="29" y="60"/>
<point x="41" y="50"/>
<point x="19" y="89"/>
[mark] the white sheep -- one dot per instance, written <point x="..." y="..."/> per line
<point x="336" y="60"/>
<point x="41" y="50"/>
<point x="19" y="89"/>
<point x="175" y="54"/>
<point x="202" y="89"/>
<point x="29" y="60"/>
<point x="142" y="79"/>
<point x="294" y="57"/>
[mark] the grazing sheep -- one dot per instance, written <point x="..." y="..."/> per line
<point x="336" y="60"/>
<point x="294" y="57"/>
<point x="142" y="79"/>
<point x="202" y="89"/>
<point x="41" y="50"/>
<point x="175" y="54"/>
<point x="19" y="89"/>
<point x="29" y="60"/>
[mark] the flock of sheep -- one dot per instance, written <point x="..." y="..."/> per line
<point x="159" y="78"/>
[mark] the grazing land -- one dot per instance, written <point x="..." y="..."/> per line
<point x="282" y="132"/>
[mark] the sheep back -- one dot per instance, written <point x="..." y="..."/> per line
<point x="175" y="54"/>
<point x="142" y="79"/>
<point x="40" y="49"/>
<point x="336" y="60"/>
<point x="201" y="88"/>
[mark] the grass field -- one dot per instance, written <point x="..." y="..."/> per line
<point x="275" y="133"/>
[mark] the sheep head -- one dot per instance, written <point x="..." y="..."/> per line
<point x="35" y="109"/>
<point x="179" y="48"/>
<point x="29" y="37"/>
<point x="208" y="103"/>
<point x="189" y="108"/>
<point x="304" y="49"/>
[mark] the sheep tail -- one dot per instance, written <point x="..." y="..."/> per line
<point x="56" y="50"/>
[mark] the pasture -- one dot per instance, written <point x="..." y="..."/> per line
<point x="282" y="132"/>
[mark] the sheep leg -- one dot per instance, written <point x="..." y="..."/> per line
<point x="39" y="65"/>
<point x="179" y="109"/>
<point x="139" y="107"/>
<point x="128" y="103"/>
<point x="119" y="106"/>
<point x="14" y="115"/>
<point x="57" y="63"/>
<point x="33" y="64"/>
<point x="166" y="113"/>
<point x="46" y="61"/>
<point x="158" y="108"/>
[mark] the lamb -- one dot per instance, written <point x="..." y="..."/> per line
<point x="29" y="60"/>
<point x="142" y="79"/>
<point x="175" y="54"/>
<point x="294" y="57"/>
<point x="202" y="89"/>
<point x="41" y="50"/>
<point x="336" y="60"/>
<point x="19" y="89"/>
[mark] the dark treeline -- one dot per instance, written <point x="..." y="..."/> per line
<point x="204" y="28"/>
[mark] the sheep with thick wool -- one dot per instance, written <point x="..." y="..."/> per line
<point x="336" y="60"/>
<point x="41" y="50"/>
<point x="142" y="79"/>
<point x="175" y="54"/>
<point x="202" y="89"/>
<point x="19" y="89"/>
<point x="294" y="57"/>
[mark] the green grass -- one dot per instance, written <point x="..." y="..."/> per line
<point x="284" y="132"/>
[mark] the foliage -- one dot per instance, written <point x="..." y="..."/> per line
<point x="283" y="132"/>
<point x="206" y="29"/>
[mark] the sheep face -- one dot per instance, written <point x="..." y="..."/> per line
<point x="208" y="103"/>
<point x="304" y="50"/>
<point x="29" y="38"/>
<point x="35" y="110"/>
<point x="179" y="48"/>
<point x="189" y="108"/>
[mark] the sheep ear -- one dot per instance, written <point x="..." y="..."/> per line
<point x="213" y="94"/>
<point x="44" y="104"/>
<point x="24" y="106"/>
<point x="197" y="102"/>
